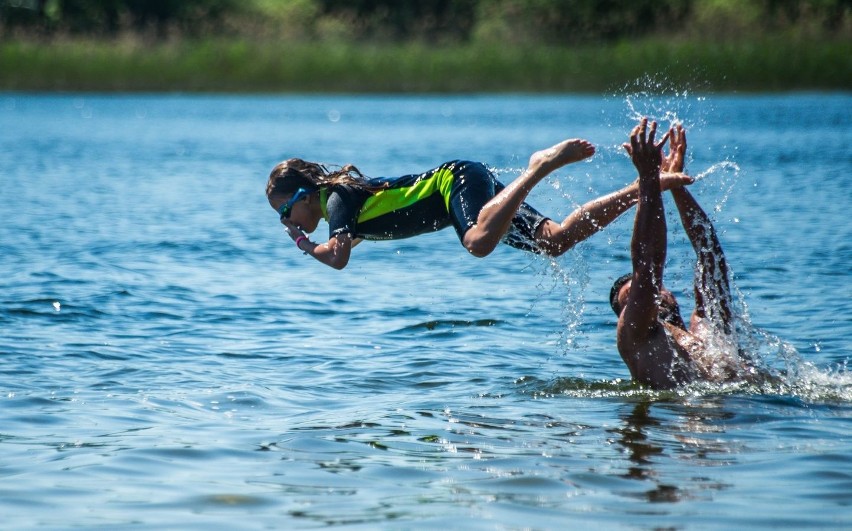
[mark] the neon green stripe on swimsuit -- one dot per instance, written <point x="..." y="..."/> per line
<point x="401" y="207"/>
<point x="386" y="201"/>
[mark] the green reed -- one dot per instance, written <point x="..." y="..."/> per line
<point x="128" y="64"/>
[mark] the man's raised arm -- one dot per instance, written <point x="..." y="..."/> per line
<point x="648" y="246"/>
<point x="711" y="268"/>
<point x="712" y="289"/>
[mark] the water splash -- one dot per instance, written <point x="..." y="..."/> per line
<point x="656" y="97"/>
<point x="571" y="276"/>
<point x="776" y="369"/>
<point x="659" y="99"/>
<point x="789" y="373"/>
<point x="725" y="175"/>
<point x="801" y="380"/>
<point x="720" y="167"/>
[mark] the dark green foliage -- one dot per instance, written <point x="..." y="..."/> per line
<point x="423" y="45"/>
<point x="573" y="21"/>
<point x="105" y="17"/>
<point x="442" y="21"/>
<point x="431" y="20"/>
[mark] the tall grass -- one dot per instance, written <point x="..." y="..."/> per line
<point x="761" y="64"/>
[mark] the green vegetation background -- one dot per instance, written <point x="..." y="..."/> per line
<point x="423" y="45"/>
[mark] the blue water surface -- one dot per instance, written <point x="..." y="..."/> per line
<point x="170" y="360"/>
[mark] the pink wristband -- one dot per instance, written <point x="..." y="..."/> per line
<point x="299" y="240"/>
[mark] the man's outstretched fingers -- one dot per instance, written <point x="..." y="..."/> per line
<point x="634" y="139"/>
<point x="663" y="141"/>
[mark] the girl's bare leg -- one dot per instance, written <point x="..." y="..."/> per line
<point x="496" y="216"/>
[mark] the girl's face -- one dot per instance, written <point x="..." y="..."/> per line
<point x="305" y="213"/>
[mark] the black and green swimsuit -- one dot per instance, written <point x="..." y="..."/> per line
<point x="451" y="194"/>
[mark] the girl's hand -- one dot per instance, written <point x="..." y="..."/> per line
<point x="334" y="253"/>
<point x="293" y="230"/>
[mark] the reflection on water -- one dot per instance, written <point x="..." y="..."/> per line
<point x="639" y="435"/>
<point x="634" y="439"/>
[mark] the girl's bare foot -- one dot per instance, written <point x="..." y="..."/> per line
<point x="547" y="160"/>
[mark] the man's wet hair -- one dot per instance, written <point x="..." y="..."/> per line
<point x="613" y="293"/>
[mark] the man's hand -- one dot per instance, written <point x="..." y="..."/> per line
<point x="674" y="161"/>
<point x="646" y="155"/>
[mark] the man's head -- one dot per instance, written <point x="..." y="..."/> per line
<point x="616" y="290"/>
<point x="668" y="309"/>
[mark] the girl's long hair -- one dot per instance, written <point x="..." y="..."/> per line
<point x="290" y="175"/>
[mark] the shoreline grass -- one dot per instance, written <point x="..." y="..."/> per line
<point x="765" y="64"/>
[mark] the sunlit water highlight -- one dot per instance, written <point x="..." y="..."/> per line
<point x="171" y="361"/>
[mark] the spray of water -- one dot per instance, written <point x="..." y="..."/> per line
<point x="788" y="373"/>
<point x="784" y="370"/>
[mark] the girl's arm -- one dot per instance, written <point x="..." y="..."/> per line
<point x="334" y="253"/>
<point x="596" y="214"/>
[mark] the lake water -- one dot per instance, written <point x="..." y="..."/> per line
<point x="170" y="360"/>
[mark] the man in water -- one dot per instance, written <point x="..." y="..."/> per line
<point x="652" y="338"/>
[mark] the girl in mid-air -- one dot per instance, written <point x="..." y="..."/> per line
<point x="463" y="194"/>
